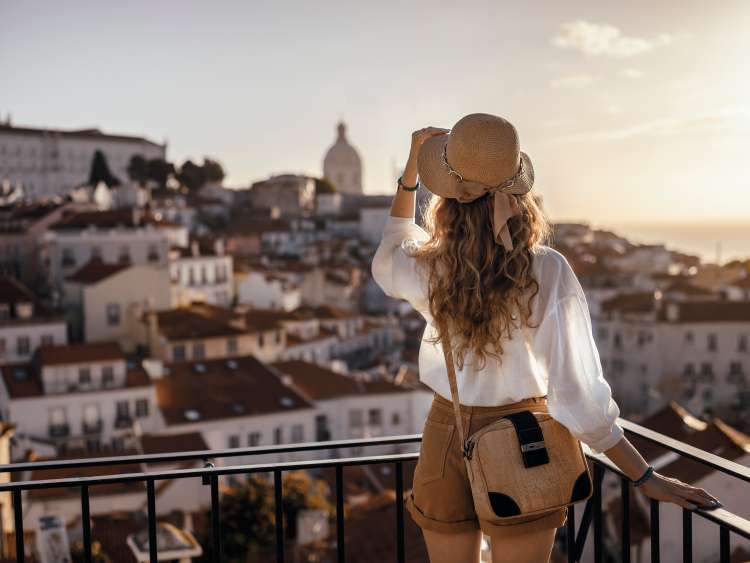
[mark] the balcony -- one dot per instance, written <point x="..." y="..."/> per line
<point x="123" y="421"/>
<point x="59" y="430"/>
<point x="587" y="531"/>
<point x="92" y="427"/>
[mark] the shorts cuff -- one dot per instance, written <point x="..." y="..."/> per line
<point x="427" y="523"/>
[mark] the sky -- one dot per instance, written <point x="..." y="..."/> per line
<point x="630" y="111"/>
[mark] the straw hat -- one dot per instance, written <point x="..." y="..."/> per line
<point x="480" y="155"/>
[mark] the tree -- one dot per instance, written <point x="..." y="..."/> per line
<point x="213" y="170"/>
<point x="159" y="170"/>
<point x="138" y="169"/>
<point x="192" y="176"/>
<point x="248" y="516"/>
<point x="100" y="171"/>
<point x="97" y="554"/>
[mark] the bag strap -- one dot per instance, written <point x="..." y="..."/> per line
<point x="448" y="353"/>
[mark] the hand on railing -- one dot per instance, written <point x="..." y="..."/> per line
<point x="668" y="489"/>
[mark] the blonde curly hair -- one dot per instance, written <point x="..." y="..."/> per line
<point x="475" y="286"/>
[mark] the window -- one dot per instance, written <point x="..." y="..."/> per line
<point x="713" y="343"/>
<point x="113" y="314"/>
<point x="2" y="347"/>
<point x="23" y="345"/>
<point x="96" y="253"/>
<point x="122" y="409"/>
<point x="108" y="376"/>
<point x="298" y="433"/>
<point x="57" y="416"/>
<point x="689" y="337"/>
<point x="278" y="337"/>
<point x="253" y="439"/>
<point x="375" y="417"/>
<point x="141" y="408"/>
<point x="742" y="343"/>
<point x="48" y="340"/>
<point x="199" y="351"/>
<point x="124" y="255"/>
<point x="4" y="311"/>
<point x="204" y="275"/>
<point x="68" y="258"/>
<point x="84" y="376"/>
<point x="191" y="276"/>
<point x="278" y="437"/>
<point x="322" y="433"/>
<point x="602" y="333"/>
<point x="617" y="340"/>
<point x="688" y="370"/>
<point x="178" y="353"/>
<point x="233" y="441"/>
<point x="395" y="419"/>
<point x="231" y="345"/>
<point x="153" y="253"/>
<point x="260" y="340"/>
<point x="356" y="418"/>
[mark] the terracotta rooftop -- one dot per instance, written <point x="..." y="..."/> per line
<point x="318" y="382"/>
<point x="23" y="381"/>
<point x="191" y="323"/>
<point x="110" y="219"/>
<point x="80" y="353"/>
<point x="94" y="133"/>
<point x="12" y="291"/>
<point x="173" y="443"/>
<point x="640" y="302"/>
<point x="223" y="389"/>
<point x="96" y="270"/>
<point x="714" y="311"/>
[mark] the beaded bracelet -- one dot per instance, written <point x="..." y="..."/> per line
<point x="643" y="478"/>
<point x="407" y="188"/>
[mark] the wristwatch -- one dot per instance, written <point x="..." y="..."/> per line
<point x="405" y="187"/>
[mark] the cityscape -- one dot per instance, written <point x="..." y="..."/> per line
<point x="199" y="367"/>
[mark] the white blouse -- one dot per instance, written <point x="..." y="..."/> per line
<point x="558" y="358"/>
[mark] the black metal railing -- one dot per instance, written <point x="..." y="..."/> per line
<point x="575" y="540"/>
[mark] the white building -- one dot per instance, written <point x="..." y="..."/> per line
<point x="202" y="273"/>
<point x="696" y="351"/>
<point x="342" y="165"/>
<point x="122" y="235"/>
<point x="49" y="162"/>
<point x="77" y="396"/>
<point x="25" y="325"/>
<point x="105" y="302"/>
<point x="266" y="289"/>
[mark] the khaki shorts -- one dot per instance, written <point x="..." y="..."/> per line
<point x="440" y="499"/>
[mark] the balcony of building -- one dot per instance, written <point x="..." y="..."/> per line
<point x="609" y="526"/>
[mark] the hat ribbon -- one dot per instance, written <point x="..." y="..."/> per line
<point x="505" y="205"/>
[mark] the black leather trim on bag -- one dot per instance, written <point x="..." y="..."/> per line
<point x="503" y="505"/>
<point x="581" y="488"/>
<point x="530" y="437"/>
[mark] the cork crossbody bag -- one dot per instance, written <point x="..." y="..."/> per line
<point x="523" y="465"/>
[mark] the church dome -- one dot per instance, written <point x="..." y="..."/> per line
<point x="342" y="165"/>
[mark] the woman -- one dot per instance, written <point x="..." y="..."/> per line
<point x="519" y="326"/>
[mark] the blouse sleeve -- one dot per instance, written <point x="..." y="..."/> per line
<point x="394" y="269"/>
<point x="578" y="395"/>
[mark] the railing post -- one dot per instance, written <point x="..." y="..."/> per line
<point x="340" y="545"/>
<point x="215" y="520"/>
<point x="86" y="523"/>
<point x="153" y="548"/>
<point x="687" y="536"/>
<point x="724" y="547"/>
<point x="570" y="534"/>
<point x="655" y="552"/>
<point x="18" y="514"/>
<point x="279" y="510"/>
<point x="400" y="550"/>
<point x="598" y="528"/>
<point x="625" y="498"/>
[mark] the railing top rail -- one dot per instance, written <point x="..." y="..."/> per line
<point x="207" y="454"/>
<point x="720" y="516"/>
<point x="69" y="482"/>
<point x="685" y="450"/>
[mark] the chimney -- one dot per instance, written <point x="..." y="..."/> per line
<point x="219" y="247"/>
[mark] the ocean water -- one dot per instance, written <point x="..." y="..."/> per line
<point x="717" y="242"/>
